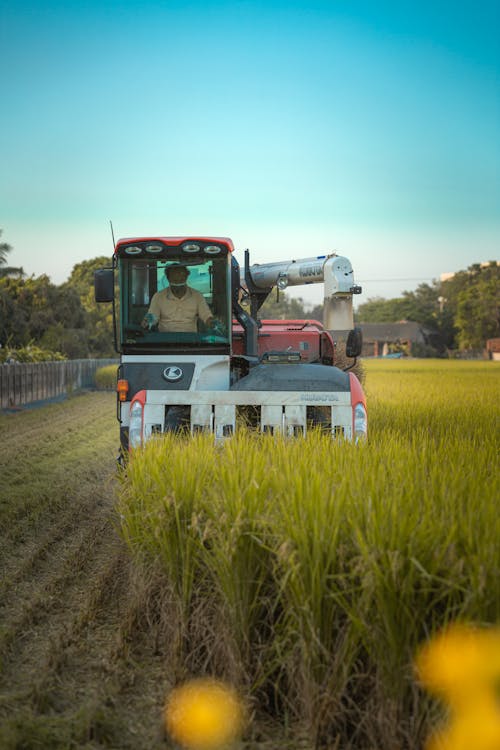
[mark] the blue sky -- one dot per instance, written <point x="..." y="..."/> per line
<point x="297" y="128"/>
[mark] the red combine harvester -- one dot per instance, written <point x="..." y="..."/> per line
<point x="202" y="374"/>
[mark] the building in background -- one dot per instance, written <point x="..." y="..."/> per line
<point x="406" y="338"/>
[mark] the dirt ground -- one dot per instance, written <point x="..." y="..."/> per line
<point x="82" y="663"/>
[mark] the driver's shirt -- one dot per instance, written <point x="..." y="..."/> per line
<point x="179" y="314"/>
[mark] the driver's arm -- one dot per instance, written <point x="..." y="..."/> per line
<point x="204" y="312"/>
<point x="153" y="314"/>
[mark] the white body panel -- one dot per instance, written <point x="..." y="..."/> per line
<point x="211" y="373"/>
<point x="281" y="411"/>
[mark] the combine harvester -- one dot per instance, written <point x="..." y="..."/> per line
<point x="279" y="375"/>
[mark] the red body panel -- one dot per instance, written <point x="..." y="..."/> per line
<point x="305" y="336"/>
<point x="357" y="394"/>
<point x="140" y="396"/>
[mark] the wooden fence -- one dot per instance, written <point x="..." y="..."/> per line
<point x="25" y="382"/>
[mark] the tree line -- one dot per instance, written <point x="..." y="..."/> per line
<point x="42" y="319"/>
<point x="461" y="312"/>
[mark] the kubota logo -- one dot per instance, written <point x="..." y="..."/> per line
<point x="172" y="373"/>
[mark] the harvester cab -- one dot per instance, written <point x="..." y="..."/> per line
<point x="194" y="355"/>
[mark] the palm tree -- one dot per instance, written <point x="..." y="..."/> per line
<point x="6" y="270"/>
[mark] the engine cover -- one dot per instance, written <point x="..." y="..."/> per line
<point x="293" y="377"/>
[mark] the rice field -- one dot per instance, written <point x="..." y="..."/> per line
<point x="307" y="572"/>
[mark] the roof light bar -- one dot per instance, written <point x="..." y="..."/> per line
<point x="154" y="248"/>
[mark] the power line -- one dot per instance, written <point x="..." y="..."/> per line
<point x="372" y="281"/>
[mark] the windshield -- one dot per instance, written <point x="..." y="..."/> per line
<point x="172" y="303"/>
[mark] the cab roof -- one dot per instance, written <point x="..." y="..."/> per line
<point x="176" y="241"/>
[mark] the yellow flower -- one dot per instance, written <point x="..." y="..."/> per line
<point x="462" y="666"/>
<point x="204" y="714"/>
<point x="460" y="663"/>
<point x="475" y="729"/>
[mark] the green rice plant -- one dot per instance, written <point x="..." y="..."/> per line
<point x="169" y="526"/>
<point x="313" y="637"/>
<point x="309" y="570"/>
<point x="237" y="552"/>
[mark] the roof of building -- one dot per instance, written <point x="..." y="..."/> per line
<point x="405" y="330"/>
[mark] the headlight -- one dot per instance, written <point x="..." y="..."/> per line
<point x="360" y="423"/>
<point x="191" y="247"/>
<point x="135" y="426"/>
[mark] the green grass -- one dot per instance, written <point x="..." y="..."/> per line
<point x="105" y="378"/>
<point x="308" y="571"/>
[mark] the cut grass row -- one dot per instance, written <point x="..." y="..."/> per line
<point x="50" y="453"/>
<point x="82" y="657"/>
<point x="307" y="572"/>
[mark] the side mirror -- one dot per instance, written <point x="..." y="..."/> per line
<point x="104" y="285"/>
<point x="354" y="343"/>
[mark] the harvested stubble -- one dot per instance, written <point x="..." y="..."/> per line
<point x="308" y="571"/>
